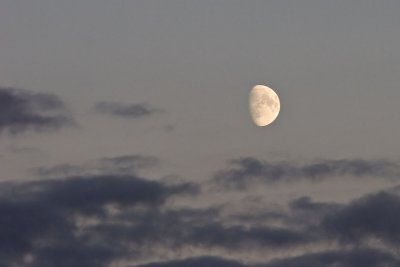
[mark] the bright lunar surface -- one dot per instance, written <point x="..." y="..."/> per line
<point x="264" y="105"/>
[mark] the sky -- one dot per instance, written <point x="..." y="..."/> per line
<point x="126" y="140"/>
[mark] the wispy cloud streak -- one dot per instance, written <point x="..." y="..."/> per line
<point x="248" y="170"/>
<point x="126" y="110"/>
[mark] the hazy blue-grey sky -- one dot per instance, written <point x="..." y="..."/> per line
<point x="165" y="84"/>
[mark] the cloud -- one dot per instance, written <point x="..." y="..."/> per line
<point x="239" y="237"/>
<point x="128" y="162"/>
<point x="174" y="230"/>
<point x="94" y="220"/>
<point x="126" y="110"/>
<point x="244" y="171"/>
<point x="47" y="223"/>
<point x="125" y="164"/>
<point x="372" y="217"/>
<point x="22" y="110"/>
<point x="305" y="204"/>
<point x="370" y="221"/>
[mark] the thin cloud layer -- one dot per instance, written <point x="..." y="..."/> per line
<point x="248" y="170"/>
<point x="22" y="110"/>
<point x="126" y="165"/>
<point x="337" y="258"/>
<point x="126" y="110"/>
<point x="196" y="262"/>
<point x="340" y="258"/>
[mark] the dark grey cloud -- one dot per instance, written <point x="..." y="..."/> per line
<point x="360" y="223"/>
<point x="22" y="110"/>
<point x="125" y="164"/>
<point x="307" y="206"/>
<point x="308" y="213"/>
<point x="126" y="110"/>
<point x="52" y="213"/>
<point x="74" y="253"/>
<point x="41" y="218"/>
<point x="244" y="171"/>
<point x="371" y="217"/>
<point x="258" y="217"/>
<point x="180" y="229"/>
<point x="239" y="237"/>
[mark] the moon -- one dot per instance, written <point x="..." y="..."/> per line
<point x="264" y="105"/>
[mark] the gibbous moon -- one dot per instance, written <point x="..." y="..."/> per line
<point x="264" y="105"/>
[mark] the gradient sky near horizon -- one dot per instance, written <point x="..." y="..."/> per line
<point x="98" y="97"/>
